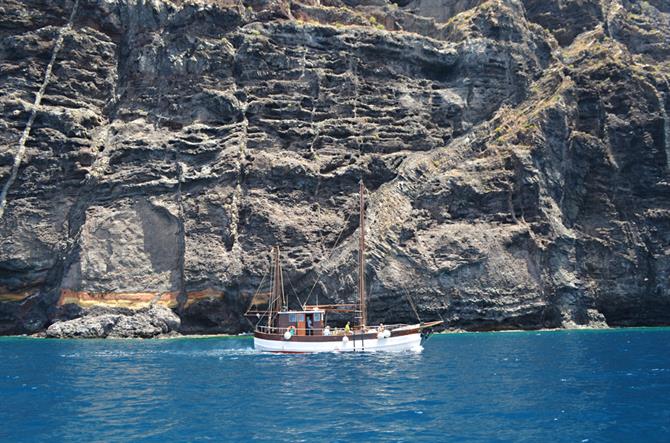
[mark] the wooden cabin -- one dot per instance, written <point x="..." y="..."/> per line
<point x="300" y="321"/>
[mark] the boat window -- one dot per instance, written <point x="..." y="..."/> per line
<point x="301" y="317"/>
<point x="291" y="318"/>
<point x="317" y="317"/>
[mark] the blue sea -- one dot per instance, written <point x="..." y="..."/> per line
<point x="554" y="386"/>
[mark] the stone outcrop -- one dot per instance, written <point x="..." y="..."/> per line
<point x="516" y="152"/>
<point x="144" y="323"/>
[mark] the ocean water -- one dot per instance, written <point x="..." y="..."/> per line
<point x="562" y="386"/>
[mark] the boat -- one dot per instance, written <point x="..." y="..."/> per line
<point x="280" y="329"/>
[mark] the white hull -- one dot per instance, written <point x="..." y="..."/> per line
<point x="409" y="342"/>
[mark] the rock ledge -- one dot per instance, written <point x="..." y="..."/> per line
<point x="145" y="323"/>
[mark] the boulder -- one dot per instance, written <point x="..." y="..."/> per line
<point x="145" y="323"/>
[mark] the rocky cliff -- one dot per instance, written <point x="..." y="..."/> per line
<point x="516" y="152"/>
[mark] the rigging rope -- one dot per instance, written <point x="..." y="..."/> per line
<point x="294" y="292"/>
<point x="258" y="290"/>
<point x="411" y="302"/>
<point x="346" y="223"/>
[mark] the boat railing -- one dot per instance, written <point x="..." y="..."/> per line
<point x="329" y="331"/>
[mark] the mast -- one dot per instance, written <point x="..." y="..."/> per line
<point x="361" y="256"/>
<point x="278" y="282"/>
<point x="272" y="293"/>
<point x="275" y="293"/>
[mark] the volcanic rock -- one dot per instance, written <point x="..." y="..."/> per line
<point x="516" y="155"/>
<point x="145" y="323"/>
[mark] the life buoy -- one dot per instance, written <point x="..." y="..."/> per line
<point x="387" y="334"/>
<point x="345" y="340"/>
<point x="290" y="332"/>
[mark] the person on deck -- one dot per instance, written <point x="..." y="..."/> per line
<point x="309" y="326"/>
<point x="326" y="331"/>
<point x="347" y="329"/>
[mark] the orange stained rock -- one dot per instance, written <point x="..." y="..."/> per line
<point x="205" y="294"/>
<point x="133" y="300"/>
<point x="7" y="296"/>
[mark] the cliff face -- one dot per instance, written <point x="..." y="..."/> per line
<point x="517" y="155"/>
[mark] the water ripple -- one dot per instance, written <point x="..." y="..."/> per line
<point x="559" y="387"/>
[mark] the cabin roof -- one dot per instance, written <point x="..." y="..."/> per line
<point x="311" y="311"/>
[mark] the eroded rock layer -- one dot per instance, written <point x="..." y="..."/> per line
<point x="516" y="152"/>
